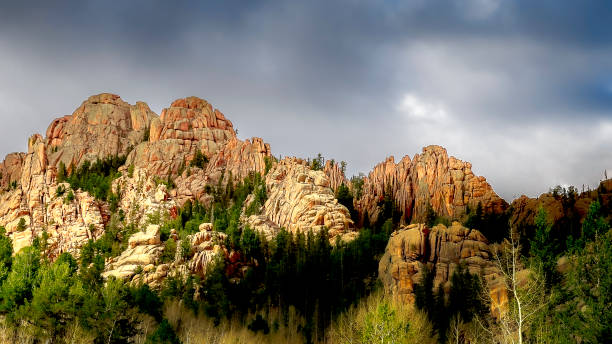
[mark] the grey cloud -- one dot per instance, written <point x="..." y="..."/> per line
<point x="525" y="85"/>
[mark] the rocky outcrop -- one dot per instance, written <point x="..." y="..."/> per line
<point x="441" y="249"/>
<point x="10" y="170"/>
<point x="188" y="125"/>
<point x="37" y="201"/>
<point x="430" y="178"/>
<point x="335" y="174"/>
<point x="144" y="251"/>
<point x="240" y="158"/>
<point x="562" y="205"/>
<point x="300" y="199"/>
<point x="141" y="197"/>
<point x="236" y="159"/>
<point x="141" y="261"/>
<point x="104" y="125"/>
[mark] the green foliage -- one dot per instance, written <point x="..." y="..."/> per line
<point x="61" y="172"/>
<point x="494" y="226"/>
<point x="432" y="218"/>
<point x="199" y="160"/>
<point x="345" y="197"/>
<point x="357" y="182"/>
<point x="147" y="301"/>
<point x="543" y="247"/>
<point x="424" y="291"/>
<point x="55" y="300"/>
<point x="580" y="305"/>
<point x="59" y="192"/>
<point x="17" y="288"/>
<point x="268" y="161"/>
<point x="146" y="134"/>
<point x="6" y="254"/>
<point x="164" y="334"/>
<point x="169" y="251"/>
<point x="464" y="299"/>
<point x="21" y="225"/>
<point x="317" y="163"/>
<point x="69" y="197"/>
<point x="384" y="326"/>
<point x="96" y="178"/>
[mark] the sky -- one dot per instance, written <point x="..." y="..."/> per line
<point x="522" y="89"/>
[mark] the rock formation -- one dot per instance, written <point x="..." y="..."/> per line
<point x="300" y="199"/>
<point x="236" y="159"/>
<point x="442" y="249"/>
<point x="188" y="125"/>
<point x="141" y="261"/>
<point x="431" y="178"/>
<point x="523" y="210"/>
<point x="104" y="125"/>
<point x="335" y="174"/>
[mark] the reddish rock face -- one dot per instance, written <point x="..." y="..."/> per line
<point x="431" y="177"/>
<point x="523" y="210"/>
<point x="102" y="126"/>
<point x="188" y="125"/>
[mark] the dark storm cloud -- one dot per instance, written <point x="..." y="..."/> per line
<point x="523" y="89"/>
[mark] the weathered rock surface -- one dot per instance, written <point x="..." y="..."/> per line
<point x="10" y="169"/>
<point x="188" y="125"/>
<point x="37" y="202"/>
<point x="300" y="199"/>
<point x="239" y="158"/>
<point x="141" y="197"/>
<point x="236" y="159"/>
<point x="104" y="125"/>
<point x="431" y="177"/>
<point x="141" y="262"/>
<point x="442" y="249"/>
<point x="335" y="174"/>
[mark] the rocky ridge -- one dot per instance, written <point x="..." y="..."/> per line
<point x="430" y="178"/>
<point x="298" y="198"/>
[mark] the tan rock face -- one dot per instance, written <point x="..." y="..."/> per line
<point x="141" y="197"/>
<point x="10" y="169"/>
<point x="300" y="199"/>
<point x="102" y="126"/>
<point x="432" y="177"/>
<point x="69" y="224"/>
<point x="334" y="173"/>
<point x="240" y="158"/>
<point x="442" y="249"/>
<point x="141" y="262"/>
<point x="188" y="125"/>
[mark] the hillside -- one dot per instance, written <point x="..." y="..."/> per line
<point x="170" y="219"/>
